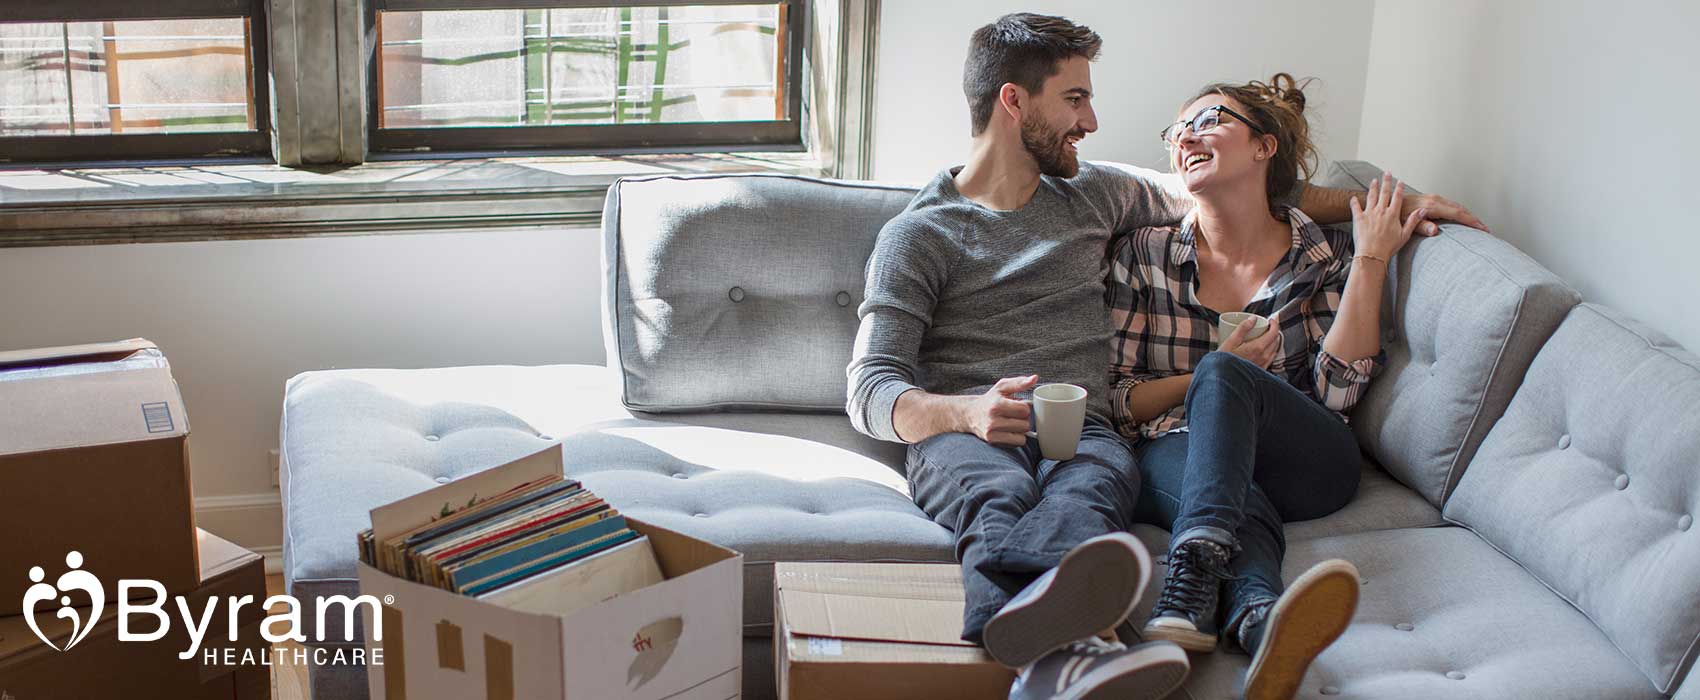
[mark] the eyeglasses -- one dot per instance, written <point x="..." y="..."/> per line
<point x="1202" y="123"/>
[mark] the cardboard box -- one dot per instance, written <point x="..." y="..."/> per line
<point x="94" y="459"/>
<point x="889" y="631"/>
<point x="101" y="666"/>
<point x="680" y="639"/>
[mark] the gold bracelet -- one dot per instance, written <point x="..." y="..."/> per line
<point x="1372" y="257"/>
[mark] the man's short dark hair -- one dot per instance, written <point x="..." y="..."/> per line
<point x="1020" y="48"/>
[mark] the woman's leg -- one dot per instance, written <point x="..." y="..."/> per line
<point x="1260" y="452"/>
<point x="1250" y="426"/>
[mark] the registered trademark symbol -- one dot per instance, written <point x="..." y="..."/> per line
<point x="389" y="600"/>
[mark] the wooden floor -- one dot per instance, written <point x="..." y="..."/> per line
<point x="289" y="681"/>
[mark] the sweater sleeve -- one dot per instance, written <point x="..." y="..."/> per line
<point x="905" y="275"/>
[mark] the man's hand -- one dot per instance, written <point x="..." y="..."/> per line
<point x="1435" y="210"/>
<point x="997" y="417"/>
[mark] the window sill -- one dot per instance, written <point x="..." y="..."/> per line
<point x="217" y="202"/>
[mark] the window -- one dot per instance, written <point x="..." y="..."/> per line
<point x="602" y="75"/>
<point x="105" y="80"/>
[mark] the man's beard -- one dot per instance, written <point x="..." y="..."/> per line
<point x="1050" y="149"/>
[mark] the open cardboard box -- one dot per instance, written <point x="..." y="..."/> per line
<point x="889" y="631"/>
<point x="680" y="639"/>
<point x="94" y="459"/>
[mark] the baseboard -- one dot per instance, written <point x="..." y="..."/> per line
<point x="253" y="520"/>
<point x="274" y="558"/>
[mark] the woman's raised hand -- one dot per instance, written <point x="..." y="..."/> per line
<point x="1376" y="229"/>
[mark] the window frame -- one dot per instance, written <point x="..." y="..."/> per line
<point x="785" y="134"/>
<point x="88" y="150"/>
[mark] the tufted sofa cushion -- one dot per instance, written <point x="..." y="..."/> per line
<point x="1467" y="312"/>
<point x="737" y="291"/>
<point x="1590" y="481"/>
<point x="775" y="487"/>
<point x="1415" y="638"/>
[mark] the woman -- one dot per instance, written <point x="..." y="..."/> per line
<point x="1236" y="435"/>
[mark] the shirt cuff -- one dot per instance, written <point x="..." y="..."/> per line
<point x="1118" y="406"/>
<point x="882" y="405"/>
<point x="1342" y="383"/>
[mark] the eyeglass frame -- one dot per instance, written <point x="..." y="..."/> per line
<point x="1164" y="134"/>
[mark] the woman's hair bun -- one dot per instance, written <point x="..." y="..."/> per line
<point x="1284" y="88"/>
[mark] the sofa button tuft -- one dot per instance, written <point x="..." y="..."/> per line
<point x="843" y="298"/>
<point x="1455" y="675"/>
<point x="1330" y="690"/>
<point x="736" y="294"/>
<point x="702" y="515"/>
<point x="432" y="438"/>
<point x="1564" y="441"/>
<point x="443" y="480"/>
<point x="1404" y="627"/>
<point x="1622" y="482"/>
<point x="1685" y="522"/>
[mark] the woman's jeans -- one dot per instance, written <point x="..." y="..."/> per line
<point x="1259" y="452"/>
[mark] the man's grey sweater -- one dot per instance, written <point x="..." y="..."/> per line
<point x="960" y="296"/>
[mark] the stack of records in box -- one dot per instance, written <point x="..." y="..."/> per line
<point x="548" y="545"/>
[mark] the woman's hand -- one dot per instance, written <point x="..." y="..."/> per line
<point x="1376" y="229"/>
<point x="1259" y="351"/>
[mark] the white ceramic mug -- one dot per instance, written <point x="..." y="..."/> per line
<point x="1233" y="319"/>
<point x="1059" y="412"/>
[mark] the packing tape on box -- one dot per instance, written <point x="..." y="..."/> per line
<point x="449" y="654"/>
<point x="395" y="656"/>
<point x="498" y="669"/>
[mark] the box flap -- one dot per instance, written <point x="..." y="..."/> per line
<point x="220" y="556"/>
<point x="913" y="603"/>
<point x="421" y="508"/>
<point x="91" y="352"/>
<point x="130" y="399"/>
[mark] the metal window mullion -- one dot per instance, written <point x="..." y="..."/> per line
<point x="351" y="85"/>
<point x="70" y="86"/>
<point x="286" y="108"/>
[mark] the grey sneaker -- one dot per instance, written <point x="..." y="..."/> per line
<point x="1186" y="611"/>
<point x="1093" y="669"/>
<point x="1094" y="588"/>
<point x="1315" y="611"/>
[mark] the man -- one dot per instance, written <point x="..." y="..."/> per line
<point x="989" y="282"/>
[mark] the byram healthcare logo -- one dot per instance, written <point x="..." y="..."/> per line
<point x="92" y="602"/>
<point x="74" y="580"/>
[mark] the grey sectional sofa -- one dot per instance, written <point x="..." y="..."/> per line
<point x="1524" y="527"/>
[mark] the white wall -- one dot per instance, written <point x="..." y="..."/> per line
<point x="1156" y="54"/>
<point x="1574" y="132"/>
<point x="238" y="318"/>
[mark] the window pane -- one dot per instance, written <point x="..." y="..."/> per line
<point x="134" y="77"/>
<point x="580" y="66"/>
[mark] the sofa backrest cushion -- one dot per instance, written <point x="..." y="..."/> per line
<point x="737" y="292"/>
<point x="1591" y="481"/>
<point x="1464" y="316"/>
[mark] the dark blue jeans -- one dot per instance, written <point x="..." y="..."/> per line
<point x="1258" y="453"/>
<point x="1015" y="514"/>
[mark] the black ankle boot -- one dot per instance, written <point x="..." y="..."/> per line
<point x="1186" y="612"/>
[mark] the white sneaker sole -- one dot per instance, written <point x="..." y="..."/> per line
<point x="1179" y="632"/>
<point x="1150" y="673"/>
<point x="1316" y="609"/>
<point x="1095" y="587"/>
